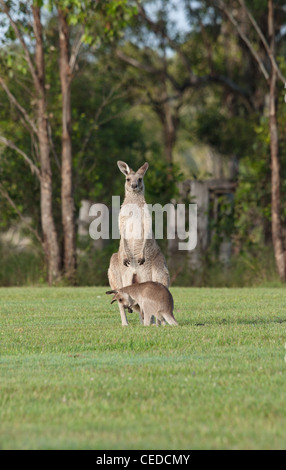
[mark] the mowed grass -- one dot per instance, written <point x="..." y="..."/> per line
<point x="72" y="378"/>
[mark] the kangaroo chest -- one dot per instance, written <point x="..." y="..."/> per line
<point x="135" y="222"/>
<point x="135" y="225"/>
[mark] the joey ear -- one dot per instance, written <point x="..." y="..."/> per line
<point x="142" y="170"/>
<point x="114" y="300"/>
<point x="111" y="292"/>
<point x="123" y="167"/>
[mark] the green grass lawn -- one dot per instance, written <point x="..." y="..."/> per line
<point x="72" y="378"/>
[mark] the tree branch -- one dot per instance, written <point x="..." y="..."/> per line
<point x="193" y="80"/>
<point x="75" y="51"/>
<point x="22" y="41"/>
<point x="14" y="101"/>
<point x="231" y="18"/>
<point x="264" y="41"/>
<point x="157" y="29"/>
<point x="24" y="220"/>
<point x="106" y="101"/>
<point x="199" y="82"/>
<point x="135" y="63"/>
<point x="35" y="170"/>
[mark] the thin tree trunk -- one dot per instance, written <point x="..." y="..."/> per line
<point x="275" y="163"/>
<point x="169" y="137"/>
<point x="50" y="237"/>
<point x="170" y="124"/>
<point x="68" y="218"/>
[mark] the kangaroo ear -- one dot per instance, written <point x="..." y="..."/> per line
<point x="111" y="292"/>
<point x="114" y="300"/>
<point x="142" y="170"/>
<point x="123" y="167"/>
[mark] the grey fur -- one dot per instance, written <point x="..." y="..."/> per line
<point x="139" y="259"/>
<point x="153" y="299"/>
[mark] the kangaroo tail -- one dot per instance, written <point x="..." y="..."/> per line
<point x="170" y="319"/>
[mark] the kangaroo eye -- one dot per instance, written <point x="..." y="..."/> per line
<point x="120" y="300"/>
<point x="140" y="179"/>
<point x="127" y="179"/>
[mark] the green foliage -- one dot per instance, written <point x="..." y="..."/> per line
<point x="221" y="223"/>
<point x="251" y="267"/>
<point x="161" y="181"/>
<point x="20" y="267"/>
<point x="15" y="176"/>
<point x="253" y="196"/>
<point x="93" y="264"/>
<point x="102" y="21"/>
<point x="229" y="135"/>
<point x="107" y="138"/>
<point x="118" y="15"/>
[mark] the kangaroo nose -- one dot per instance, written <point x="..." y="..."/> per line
<point x="134" y="185"/>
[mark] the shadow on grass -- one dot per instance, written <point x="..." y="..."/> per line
<point x="224" y="321"/>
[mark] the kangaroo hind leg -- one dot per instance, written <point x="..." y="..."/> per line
<point x="115" y="282"/>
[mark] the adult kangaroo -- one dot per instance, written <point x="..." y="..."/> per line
<point x="139" y="258"/>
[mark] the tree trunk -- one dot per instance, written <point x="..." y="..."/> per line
<point x="50" y="237"/>
<point x="169" y="137"/>
<point x="68" y="218"/>
<point x="170" y="124"/>
<point x="51" y="245"/>
<point x="275" y="163"/>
